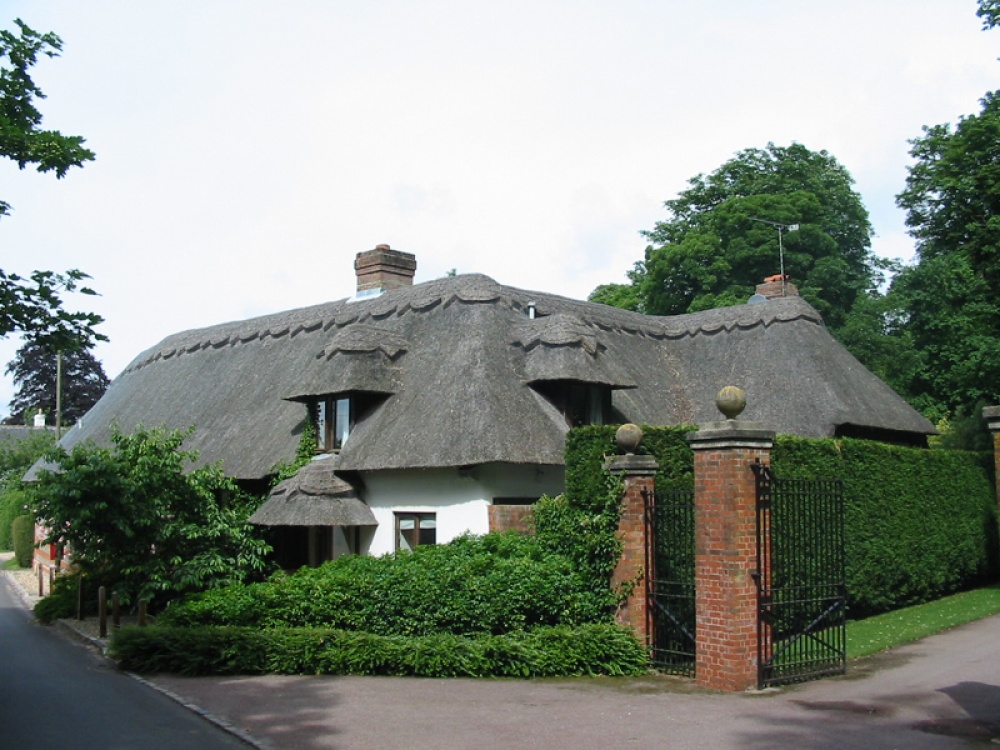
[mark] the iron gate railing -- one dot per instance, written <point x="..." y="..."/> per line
<point x="800" y="578"/>
<point x="670" y="579"/>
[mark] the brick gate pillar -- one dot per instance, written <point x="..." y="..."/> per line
<point x="638" y="475"/>
<point x="725" y="501"/>
<point x="992" y="416"/>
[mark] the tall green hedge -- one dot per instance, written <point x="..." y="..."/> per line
<point x="23" y="531"/>
<point x="920" y="523"/>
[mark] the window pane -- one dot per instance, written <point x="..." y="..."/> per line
<point x="321" y="421"/>
<point x="343" y="422"/>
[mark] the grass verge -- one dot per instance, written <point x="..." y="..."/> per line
<point x="10" y="564"/>
<point x="874" y="634"/>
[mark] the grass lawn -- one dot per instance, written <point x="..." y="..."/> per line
<point x="10" y="564"/>
<point x="884" y="631"/>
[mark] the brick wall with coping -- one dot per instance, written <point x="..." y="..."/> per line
<point x="726" y="552"/>
<point x="638" y="475"/>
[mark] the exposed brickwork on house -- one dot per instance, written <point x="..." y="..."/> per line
<point x="384" y="268"/>
<point x="510" y="518"/>
<point x="638" y="474"/>
<point x="726" y="553"/>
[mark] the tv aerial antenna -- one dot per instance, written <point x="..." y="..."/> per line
<point x="781" y="247"/>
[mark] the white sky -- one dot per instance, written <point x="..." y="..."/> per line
<point x="247" y="150"/>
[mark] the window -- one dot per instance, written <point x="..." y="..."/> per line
<point x="414" y="529"/>
<point x="334" y="418"/>
<point x="580" y="403"/>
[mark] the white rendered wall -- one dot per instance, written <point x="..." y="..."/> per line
<point x="459" y="498"/>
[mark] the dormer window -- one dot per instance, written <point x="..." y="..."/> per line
<point x="333" y="418"/>
<point x="580" y="403"/>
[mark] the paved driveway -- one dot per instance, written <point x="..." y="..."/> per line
<point x="943" y="692"/>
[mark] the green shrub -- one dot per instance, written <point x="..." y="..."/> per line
<point x="919" y="523"/>
<point x="595" y="649"/>
<point x="494" y="584"/>
<point x="23" y="532"/>
<point x="61" y="603"/>
<point x="13" y="503"/>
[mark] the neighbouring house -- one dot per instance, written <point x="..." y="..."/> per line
<point x="442" y="407"/>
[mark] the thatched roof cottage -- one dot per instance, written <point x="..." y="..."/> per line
<point x="437" y="404"/>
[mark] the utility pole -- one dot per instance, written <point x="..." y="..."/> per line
<point x="59" y="368"/>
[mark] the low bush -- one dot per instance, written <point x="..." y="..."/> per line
<point x="595" y="649"/>
<point x="493" y="584"/>
<point x="61" y="603"/>
<point x="23" y="533"/>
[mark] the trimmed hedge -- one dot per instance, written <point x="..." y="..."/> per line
<point x="473" y="585"/>
<point x="596" y="649"/>
<point x="920" y="523"/>
<point x="23" y="533"/>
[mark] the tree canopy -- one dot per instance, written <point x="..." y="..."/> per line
<point x="34" y="369"/>
<point x="952" y="204"/>
<point x="721" y="237"/>
<point x="32" y="305"/>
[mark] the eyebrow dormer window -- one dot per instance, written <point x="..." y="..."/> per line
<point x="580" y="403"/>
<point x="334" y="418"/>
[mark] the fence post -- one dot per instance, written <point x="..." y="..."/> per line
<point x="116" y="610"/>
<point x="992" y="416"/>
<point x="725" y="500"/>
<point x="638" y="474"/>
<point x="102" y="611"/>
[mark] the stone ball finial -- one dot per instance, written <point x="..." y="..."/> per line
<point x="628" y="437"/>
<point x="731" y="401"/>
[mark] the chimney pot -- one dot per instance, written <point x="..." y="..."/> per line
<point x="384" y="268"/>
<point x="777" y="286"/>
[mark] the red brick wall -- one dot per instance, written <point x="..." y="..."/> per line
<point x="725" y="558"/>
<point x="510" y="518"/>
<point x="638" y="474"/>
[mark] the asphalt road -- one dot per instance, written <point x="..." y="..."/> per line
<point x="58" y="694"/>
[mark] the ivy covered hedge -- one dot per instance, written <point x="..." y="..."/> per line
<point x="920" y="523"/>
<point x="594" y="649"/>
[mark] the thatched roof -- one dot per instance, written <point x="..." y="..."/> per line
<point x="315" y="496"/>
<point x="455" y="359"/>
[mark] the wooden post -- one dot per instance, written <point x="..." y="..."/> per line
<point x="116" y="610"/>
<point x="102" y="611"/>
<point x="143" y="606"/>
<point x="41" y="580"/>
<point x="79" y="597"/>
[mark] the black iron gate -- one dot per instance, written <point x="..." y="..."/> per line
<point x="670" y="579"/>
<point x="800" y="578"/>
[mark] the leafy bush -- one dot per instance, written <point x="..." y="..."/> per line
<point x="492" y="584"/>
<point x="61" y="603"/>
<point x="544" y="652"/>
<point x="135" y="517"/>
<point x="23" y="531"/>
<point x="16" y="457"/>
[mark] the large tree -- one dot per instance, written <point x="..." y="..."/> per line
<point x="31" y="305"/>
<point x="952" y="203"/>
<point x="721" y="237"/>
<point x="35" y="369"/>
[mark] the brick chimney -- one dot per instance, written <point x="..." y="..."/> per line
<point x="777" y="286"/>
<point x="384" y="268"/>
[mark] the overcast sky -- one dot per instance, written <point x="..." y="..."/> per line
<point x="247" y="150"/>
